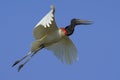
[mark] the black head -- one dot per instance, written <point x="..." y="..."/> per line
<point x="74" y="22"/>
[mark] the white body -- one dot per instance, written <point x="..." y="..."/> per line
<point x="48" y="34"/>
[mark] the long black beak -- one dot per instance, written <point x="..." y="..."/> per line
<point x="81" y="22"/>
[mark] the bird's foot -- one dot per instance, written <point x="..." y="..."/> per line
<point x="16" y="63"/>
<point x="19" y="68"/>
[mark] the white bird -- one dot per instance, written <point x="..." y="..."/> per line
<point x="48" y="35"/>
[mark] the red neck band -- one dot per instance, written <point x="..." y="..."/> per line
<point x="63" y="29"/>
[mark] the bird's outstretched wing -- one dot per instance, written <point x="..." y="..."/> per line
<point x="64" y="50"/>
<point x="46" y="25"/>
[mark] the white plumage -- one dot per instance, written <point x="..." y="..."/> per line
<point x="46" y="32"/>
<point x="64" y="50"/>
<point x="46" y="21"/>
<point x="48" y="35"/>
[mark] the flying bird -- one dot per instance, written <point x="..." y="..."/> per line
<point x="47" y="35"/>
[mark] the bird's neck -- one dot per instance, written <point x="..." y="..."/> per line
<point x="64" y="31"/>
<point x="69" y="29"/>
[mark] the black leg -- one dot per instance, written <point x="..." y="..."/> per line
<point x="19" y="68"/>
<point x="18" y="61"/>
<point x="29" y="58"/>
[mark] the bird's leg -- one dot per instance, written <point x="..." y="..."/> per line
<point x="19" y="68"/>
<point x="18" y="61"/>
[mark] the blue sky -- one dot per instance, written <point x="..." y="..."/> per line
<point x="98" y="44"/>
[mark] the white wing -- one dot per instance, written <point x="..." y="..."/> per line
<point x="46" y="25"/>
<point x="64" y="50"/>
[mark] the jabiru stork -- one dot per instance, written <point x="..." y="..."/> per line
<point x="48" y="35"/>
